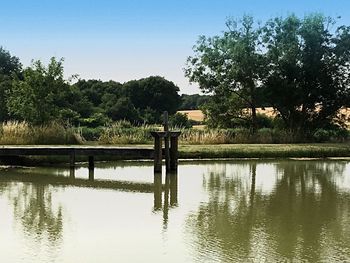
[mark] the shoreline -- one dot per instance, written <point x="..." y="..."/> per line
<point x="214" y="152"/>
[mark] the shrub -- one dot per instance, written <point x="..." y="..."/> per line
<point x="179" y="120"/>
<point x="331" y="135"/>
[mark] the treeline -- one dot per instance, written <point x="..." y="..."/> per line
<point x="39" y="94"/>
<point x="193" y="101"/>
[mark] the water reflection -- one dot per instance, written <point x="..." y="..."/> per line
<point x="170" y="194"/>
<point x="35" y="214"/>
<point x="32" y="191"/>
<point x="243" y="211"/>
<point x="305" y="216"/>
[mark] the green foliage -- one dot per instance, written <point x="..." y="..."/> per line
<point x="138" y="101"/>
<point x="122" y="132"/>
<point x="123" y="108"/>
<point x="39" y="96"/>
<point x="333" y="135"/>
<point x="299" y="66"/>
<point x="231" y="67"/>
<point x="10" y="67"/>
<point x="90" y="134"/>
<point x="307" y="64"/>
<point x="263" y="121"/>
<point x="9" y="64"/>
<point x="179" y="120"/>
<point x="96" y="120"/>
<point x="193" y="102"/>
<point x="153" y="93"/>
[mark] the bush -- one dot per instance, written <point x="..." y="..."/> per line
<point x="91" y="134"/>
<point x="332" y="135"/>
<point x="179" y="120"/>
<point x="263" y="121"/>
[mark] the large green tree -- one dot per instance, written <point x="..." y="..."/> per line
<point x="300" y="66"/>
<point x="41" y="94"/>
<point x="230" y="67"/>
<point x="9" y="68"/>
<point x="153" y="94"/>
<point x="308" y="69"/>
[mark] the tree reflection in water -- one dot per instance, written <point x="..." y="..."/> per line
<point x="304" y="217"/>
<point x="34" y="211"/>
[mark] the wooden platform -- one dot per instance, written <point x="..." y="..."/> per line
<point x="73" y="151"/>
<point x="145" y="152"/>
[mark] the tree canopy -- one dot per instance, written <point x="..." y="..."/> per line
<point x="230" y="67"/>
<point x="300" y="66"/>
<point x="308" y="69"/>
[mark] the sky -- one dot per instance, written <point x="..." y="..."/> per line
<point x="132" y="39"/>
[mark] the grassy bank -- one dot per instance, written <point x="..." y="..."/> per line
<point x="265" y="151"/>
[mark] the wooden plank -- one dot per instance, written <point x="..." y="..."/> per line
<point x="79" y="150"/>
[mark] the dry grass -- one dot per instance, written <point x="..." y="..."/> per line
<point x="19" y="133"/>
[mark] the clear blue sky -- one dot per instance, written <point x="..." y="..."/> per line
<point x="130" y="39"/>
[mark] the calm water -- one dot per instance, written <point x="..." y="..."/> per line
<point x="246" y="211"/>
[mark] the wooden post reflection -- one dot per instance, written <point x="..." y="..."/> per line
<point x="91" y="174"/>
<point x="157" y="182"/>
<point x="173" y="189"/>
<point x="166" y="198"/>
<point x="72" y="173"/>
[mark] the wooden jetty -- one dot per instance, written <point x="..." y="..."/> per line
<point x="89" y="151"/>
<point x="167" y="138"/>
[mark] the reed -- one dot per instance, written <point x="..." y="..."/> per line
<point x="122" y="132"/>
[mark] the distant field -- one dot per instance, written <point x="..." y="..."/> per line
<point x="196" y="115"/>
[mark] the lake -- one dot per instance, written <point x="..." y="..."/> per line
<point x="210" y="211"/>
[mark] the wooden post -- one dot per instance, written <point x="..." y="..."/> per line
<point x="157" y="151"/>
<point x="166" y="141"/>
<point x="72" y="173"/>
<point x="91" y="162"/>
<point x="174" y="152"/>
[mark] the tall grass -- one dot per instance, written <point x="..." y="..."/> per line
<point x="238" y="135"/>
<point x="19" y="133"/>
<point x="122" y="132"/>
<point x="125" y="133"/>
